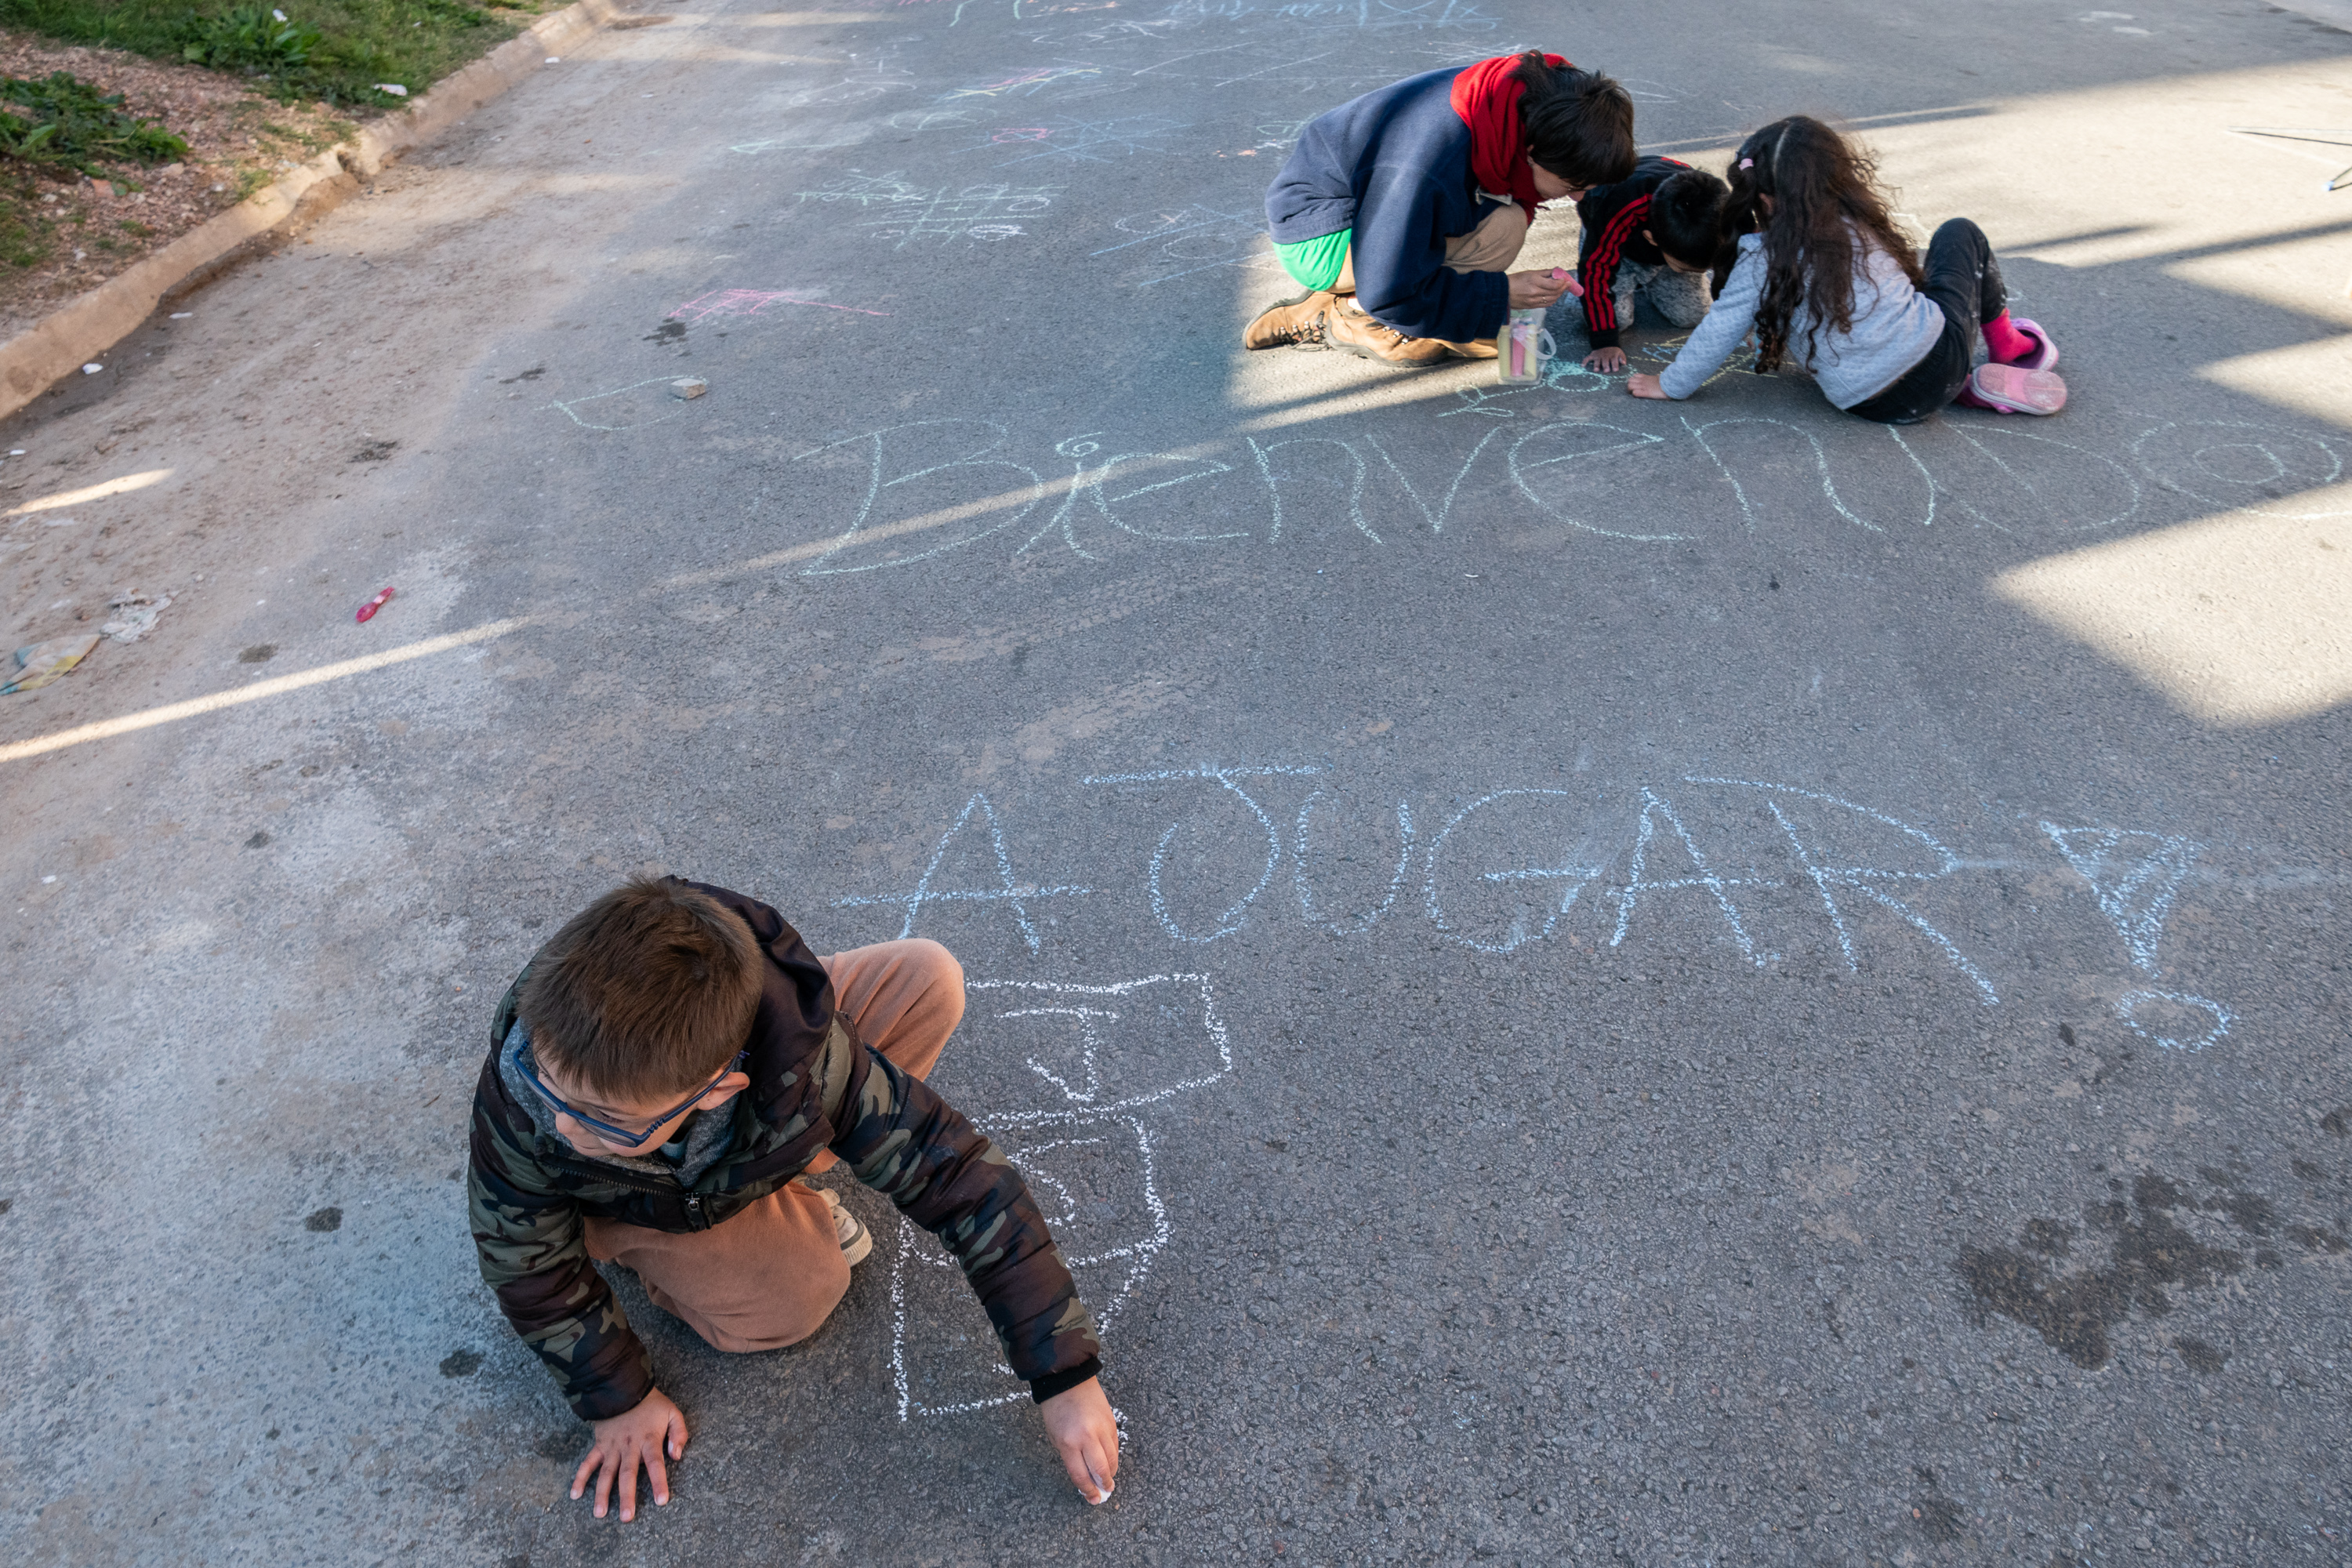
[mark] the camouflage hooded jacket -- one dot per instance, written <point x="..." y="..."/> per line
<point x="813" y="1087"/>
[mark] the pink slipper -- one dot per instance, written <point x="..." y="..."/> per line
<point x="2013" y="389"/>
<point x="2046" y="352"/>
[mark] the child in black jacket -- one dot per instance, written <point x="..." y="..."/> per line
<point x="1652" y="235"/>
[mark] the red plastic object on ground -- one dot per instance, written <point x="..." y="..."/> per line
<point x="368" y="610"/>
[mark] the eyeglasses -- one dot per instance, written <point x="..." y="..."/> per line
<point x="632" y="1137"/>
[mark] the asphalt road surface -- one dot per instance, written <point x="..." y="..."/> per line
<point x="1586" y="980"/>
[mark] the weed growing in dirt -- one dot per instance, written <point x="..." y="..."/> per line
<point x="250" y="37"/>
<point x="63" y="121"/>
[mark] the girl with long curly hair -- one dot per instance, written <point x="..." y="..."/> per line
<point x="1815" y="267"/>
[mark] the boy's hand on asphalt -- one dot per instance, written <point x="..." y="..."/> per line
<point x="1608" y="362"/>
<point x="1642" y="385"/>
<point x="640" y="1437"/>
<point x="1532" y="290"/>
<point x="1085" y="1434"/>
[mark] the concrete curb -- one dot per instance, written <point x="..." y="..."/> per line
<point x="61" y="343"/>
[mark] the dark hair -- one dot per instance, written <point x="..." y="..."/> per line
<point x="645" y="992"/>
<point x="1687" y="216"/>
<point x="1578" y="124"/>
<point x="1827" y="208"/>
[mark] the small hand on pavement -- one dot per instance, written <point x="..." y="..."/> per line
<point x="1608" y="362"/>
<point x="1085" y="1435"/>
<point x="639" y="1436"/>
<point x="1642" y="385"/>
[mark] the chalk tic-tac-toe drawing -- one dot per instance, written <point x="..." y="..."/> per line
<point x="1080" y="141"/>
<point x="757" y="302"/>
<point x="904" y="213"/>
<point x="1176" y="242"/>
<point x="1077" y="1067"/>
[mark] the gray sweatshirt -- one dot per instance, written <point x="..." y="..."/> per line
<point x="1893" y="327"/>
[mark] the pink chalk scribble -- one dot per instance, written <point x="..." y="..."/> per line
<point x="1023" y="134"/>
<point x="753" y="302"/>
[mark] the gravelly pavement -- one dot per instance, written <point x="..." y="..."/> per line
<point x="1692" y="984"/>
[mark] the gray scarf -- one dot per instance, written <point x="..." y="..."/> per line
<point x="709" y="1133"/>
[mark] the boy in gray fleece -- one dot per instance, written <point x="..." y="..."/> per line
<point x="1824" y="276"/>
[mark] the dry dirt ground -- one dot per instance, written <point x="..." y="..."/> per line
<point x="88" y="230"/>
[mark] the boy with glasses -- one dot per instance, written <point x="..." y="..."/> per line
<point x="660" y="1077"/>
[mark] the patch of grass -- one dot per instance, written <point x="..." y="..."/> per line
<point x="339" y="51"/>
<point x="63" y="121"/>
<point x="139" y="230"/>
<point x="24" y="239"/>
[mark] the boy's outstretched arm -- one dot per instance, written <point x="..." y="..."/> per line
<point x="1085" y="1434"/>
<point x="899" y="1138"/>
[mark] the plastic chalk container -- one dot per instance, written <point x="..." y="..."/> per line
<point x="1523" y="348"/>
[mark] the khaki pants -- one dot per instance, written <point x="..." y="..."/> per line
<point x="769" y="1275"/>
<point x="1492" y="247"/>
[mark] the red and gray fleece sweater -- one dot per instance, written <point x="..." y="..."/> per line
<point x="813" y="1087"/>
<point x="1614" y="217"/>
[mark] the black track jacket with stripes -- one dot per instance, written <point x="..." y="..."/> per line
<point x="1614" y="217"/>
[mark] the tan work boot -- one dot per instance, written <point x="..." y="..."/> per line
<point x="1298" y="321"/>
<point x="1347" y="326"/>
<point x="1477" y="348"/>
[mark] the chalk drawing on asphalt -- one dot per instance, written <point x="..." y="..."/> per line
<point x="1572" y="879"/>
<point x="1076" y="140"/>
<point x="1235" y="916"/>
<point x="1023" y="83"/>
<point x="907" y="213"/>
<point x="1085" y="487"/>
<point x="1013" y="894"/>
<point x="1007" y="508"/>
<point x="757" y="301"/>
<point x="625" y="408"/>
<point x="2194" y="1021"/>
<point x="1869" y="882"/>
<point x="2256" y="469"/>
<point x="1086" y="1153"/>
<point x="2135" y="876"/>
<point x="1189" y="239"/>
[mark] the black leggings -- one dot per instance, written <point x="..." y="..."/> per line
<point x="1965" y="280"/>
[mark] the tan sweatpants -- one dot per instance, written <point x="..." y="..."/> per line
<point x="1492" y="247"/>
<point x="769" y="1275"/>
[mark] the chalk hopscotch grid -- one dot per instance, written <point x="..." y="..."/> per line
<point x="1065" y="998"/>
<point x="1141" y="1253"/>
